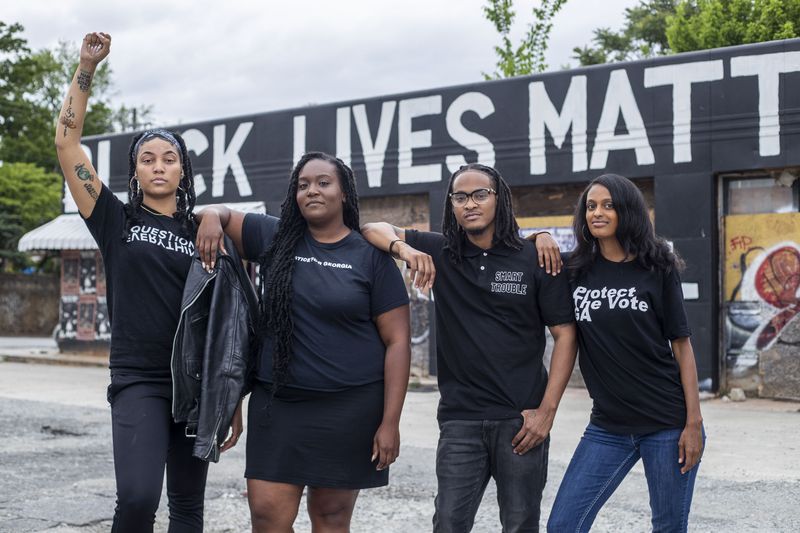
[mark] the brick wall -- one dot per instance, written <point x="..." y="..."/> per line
<point x="28" y="304"/>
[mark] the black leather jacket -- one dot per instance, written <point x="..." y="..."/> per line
<point x="214" y="350"/>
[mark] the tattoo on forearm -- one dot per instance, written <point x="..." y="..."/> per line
<point x="68" y="118"/>
<point x="83" y="173"/>
<point x="84" y="80"/>
<point x="91" y="191"/>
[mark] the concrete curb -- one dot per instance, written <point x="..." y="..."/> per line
<point x="52" y="357"/>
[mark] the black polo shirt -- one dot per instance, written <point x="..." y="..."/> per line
<point x="491" y="311"/>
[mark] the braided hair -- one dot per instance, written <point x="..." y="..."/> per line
<point x="506" y="229"/>
<point x="185" y="197"/>
<point x="635" y="231"/>
<point x="277" y="263"/>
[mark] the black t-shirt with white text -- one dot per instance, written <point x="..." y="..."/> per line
<point x="491" y="313"/>
<point x="338" y="290"/>
<point x="145" y="276"/>
<point x="626" y="316"/>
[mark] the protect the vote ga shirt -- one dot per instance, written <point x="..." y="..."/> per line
<point x="626" y="317"/>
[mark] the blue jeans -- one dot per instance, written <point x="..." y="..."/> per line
<point x="472" y="451"/>
<point x="600" y="463"/>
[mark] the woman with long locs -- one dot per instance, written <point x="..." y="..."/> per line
<point x="332" y="375"/>
<point x="637" y="361"/>
<point x="147" y="246"/>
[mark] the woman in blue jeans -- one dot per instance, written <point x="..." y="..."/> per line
<point x="636" y="359"/>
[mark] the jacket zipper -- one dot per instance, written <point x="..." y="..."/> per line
<point x="178" y="329"/>
<point x="214" y="445"/>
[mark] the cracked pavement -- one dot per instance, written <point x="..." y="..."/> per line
<point x="56" y="468"/>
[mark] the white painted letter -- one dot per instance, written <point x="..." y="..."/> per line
<point x="681" y="77"/>
<point x="573" y="113"/>
<point x="299" y="144"/>
<point x="407" y="140"/>
<point x="620" y="99"/>
<point x="343" y="148"/>
<point x="482" y="106"/>
<point x="229" y="158"/>
<point x="768" y="68"/>
<point x="196" y="142"/>
<point x="103" y="169"/>
<point x="374" y="152"/>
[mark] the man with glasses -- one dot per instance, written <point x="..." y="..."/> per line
<point x="493" y="300"/>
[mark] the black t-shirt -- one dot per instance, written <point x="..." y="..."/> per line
<point x="626" y="317"/>
<point x="338" y="289"/>
<point x="145" y="275"/>
<point x="491" y="311"/>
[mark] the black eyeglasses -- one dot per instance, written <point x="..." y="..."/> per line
<point x="479" y="196"/>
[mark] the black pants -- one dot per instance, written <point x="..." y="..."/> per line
<point x="145" y="439"/>
<point x="470" y="452"/>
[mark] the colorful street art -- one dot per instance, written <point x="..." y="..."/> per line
<point x="761" y="287"/>
<point x="83" y="309"/>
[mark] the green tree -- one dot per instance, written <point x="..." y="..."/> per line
<point x="643" y="35"/>
<point x="29" y="197"/>
<point x="704" y="24"/>
<point x="33" y="85"/>
<point x="660" y="27"/>
<point x="529" y="55"/>
<point x="23" y="125"/>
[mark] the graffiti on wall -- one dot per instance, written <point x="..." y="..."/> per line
<point x="762" y="285"/>
<point x="772" y="280"/>
<point x="84" y="311"/>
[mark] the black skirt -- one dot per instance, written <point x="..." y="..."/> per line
<point x="314" y="438"/>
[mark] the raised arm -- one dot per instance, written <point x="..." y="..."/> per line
<point x="392" y="239"/>
<point x="80" y="175"/>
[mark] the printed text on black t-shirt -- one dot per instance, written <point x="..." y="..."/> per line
<point x="586" y="300"/>
<point x="509" y="283"/>
<point x="322" y="263"/>
<point x="161" y="237"/>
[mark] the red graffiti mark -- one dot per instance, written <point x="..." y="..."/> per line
<point x="778" y="277"/>
<point x="777" y="281"/>
<point x="740" y="242"/>
<point x="773" y="329"/>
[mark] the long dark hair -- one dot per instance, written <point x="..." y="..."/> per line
<point x="634" y="230"/>
<point x="506" y="229"/>
<point x="277" y="263"/>
<point x="185" y="197"/>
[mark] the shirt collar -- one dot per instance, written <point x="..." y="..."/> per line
<point x="499" y="249"/>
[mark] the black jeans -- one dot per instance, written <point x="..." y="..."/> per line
<point x="472" y="451"/>
<point x="145" y="440"/>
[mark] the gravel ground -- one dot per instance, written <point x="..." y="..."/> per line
<point x="56" y="469"/>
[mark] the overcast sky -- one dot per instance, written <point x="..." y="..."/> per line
<point x="199" y="60"/>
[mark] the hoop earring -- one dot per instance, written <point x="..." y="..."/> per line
<point x="583" y="234"/>
<point x="131" y="184"/>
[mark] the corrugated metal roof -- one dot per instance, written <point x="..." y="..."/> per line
<point x="69" y="232"/>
